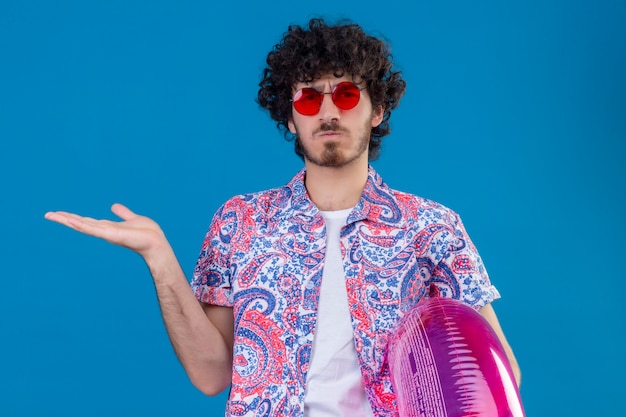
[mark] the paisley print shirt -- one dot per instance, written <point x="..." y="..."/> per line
<point x="264" y="253"/>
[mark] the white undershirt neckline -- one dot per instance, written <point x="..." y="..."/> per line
<point x="334" y="382"/>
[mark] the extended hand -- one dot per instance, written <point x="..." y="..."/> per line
<point x="138" y="233"/>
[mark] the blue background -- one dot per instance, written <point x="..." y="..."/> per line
<point x="515" y="116"/>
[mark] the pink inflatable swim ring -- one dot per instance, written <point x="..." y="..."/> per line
<point x="446" y="361"/>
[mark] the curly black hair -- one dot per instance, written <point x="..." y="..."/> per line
<point x="304" y="55"/>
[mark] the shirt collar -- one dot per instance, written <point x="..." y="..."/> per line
<point x="378" y="202"/>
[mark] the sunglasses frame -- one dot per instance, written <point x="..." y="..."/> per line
<point x="319" y="95"/>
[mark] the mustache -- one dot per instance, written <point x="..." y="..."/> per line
<point x="330" y="127"/>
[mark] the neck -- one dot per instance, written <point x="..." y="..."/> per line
<point x="336" y="188"/>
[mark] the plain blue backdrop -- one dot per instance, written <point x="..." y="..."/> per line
<point x="514" y="116"/>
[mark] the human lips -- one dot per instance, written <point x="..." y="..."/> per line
<point x="330" y="133"/>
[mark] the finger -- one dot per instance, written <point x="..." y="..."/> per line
<point x="61" y="216"/>
<point x="122" y="211"/>
<point x="86" y="225"/>
<point x="52" y="215"/>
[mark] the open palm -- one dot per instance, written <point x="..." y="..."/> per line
<point x="135" y="232"/>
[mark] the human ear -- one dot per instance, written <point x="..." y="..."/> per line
<point x="377" y="116"/>
<point x="291" y="126"/>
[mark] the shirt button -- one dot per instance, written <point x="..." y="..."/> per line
<point x="293" y="400"/>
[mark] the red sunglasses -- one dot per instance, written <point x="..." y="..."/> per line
<point x="308" y="101"/>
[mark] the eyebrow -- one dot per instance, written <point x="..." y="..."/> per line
<point x="322" y="86"/>
<point x="318" y="87"/>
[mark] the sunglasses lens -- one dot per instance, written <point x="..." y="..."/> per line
<point x="307" y="101"/>
<point x="346" y="95"/>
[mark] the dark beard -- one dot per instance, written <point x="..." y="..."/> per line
<point x="331" y="156"/>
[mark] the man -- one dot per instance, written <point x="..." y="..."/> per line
<point x="300" y="286"/>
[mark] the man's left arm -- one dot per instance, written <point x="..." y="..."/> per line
<point x="488" y="313"/>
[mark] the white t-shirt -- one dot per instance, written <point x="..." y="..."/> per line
<point x="334" y="385"/>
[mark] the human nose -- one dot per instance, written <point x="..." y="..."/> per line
<point x="328" y="108"/>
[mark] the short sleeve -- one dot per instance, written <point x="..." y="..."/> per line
<point x="460" y="273"/>
<point x="211" y="281"/>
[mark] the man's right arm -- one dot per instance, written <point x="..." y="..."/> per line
<point x="202" y="335"/>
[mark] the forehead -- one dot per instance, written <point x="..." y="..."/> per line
<point x="327" y="79"/>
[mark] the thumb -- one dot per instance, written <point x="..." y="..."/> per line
<point x="122" y="211"/>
